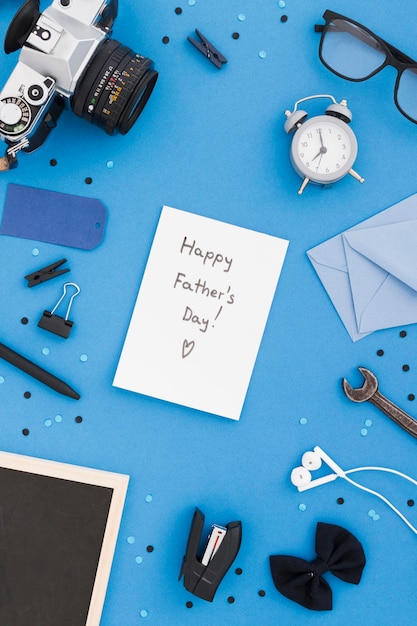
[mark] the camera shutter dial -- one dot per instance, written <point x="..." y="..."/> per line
<point x="14" y="115"/>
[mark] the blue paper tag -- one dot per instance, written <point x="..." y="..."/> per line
<point x="53" y="217"/>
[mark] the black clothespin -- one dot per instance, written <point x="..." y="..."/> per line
<point x="46" y="273"/>
<point x="202" y="576"/>
<point x="55" y="323"/>
<point x="208" y="50"/>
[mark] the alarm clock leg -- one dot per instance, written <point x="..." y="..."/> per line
<point x="356" y="175"/>
<point x="303" y="185"/>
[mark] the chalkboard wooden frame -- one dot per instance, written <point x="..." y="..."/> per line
<point x="97" y="486"/>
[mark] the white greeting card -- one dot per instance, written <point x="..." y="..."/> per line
<point x="200" y="313"/>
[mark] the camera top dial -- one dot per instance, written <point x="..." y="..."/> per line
<point x="15" y="115"/>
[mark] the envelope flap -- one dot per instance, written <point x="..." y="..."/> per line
<point x="392" y="247"/>
<point x="366" y="280"/>
<point x="329" y="254"/>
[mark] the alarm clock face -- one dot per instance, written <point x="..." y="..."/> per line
<point x="323" y="149"/>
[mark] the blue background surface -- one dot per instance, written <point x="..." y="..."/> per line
<point x="212" y="142"/>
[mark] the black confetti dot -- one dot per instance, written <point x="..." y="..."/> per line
<point x="403" y="333"/>
<point x="88" y="180"/>
<point x="380" y="352"/>
<point x="189" y="604"/>
<point x="230" y="599"/>
<point x="261" y="593"/>
<point x="25" y="432"/>
<point x="284" y="18"/>
<point x="340" y="500"/>
<point x="178" y="10"/>
<point x="165" y="39"/>
<point x="78" y="419"/>
<point x="53" y="162"/>
<point x="238" y="571"/>
<point x="406" y="368"/>
<point x="235" y="35"/>
<point x="24" y="320"/>
<point x="149" y="548"/>
<point x="410" y="502"/>
<point x="27" y="394"/>
<point x="411" y="396"/>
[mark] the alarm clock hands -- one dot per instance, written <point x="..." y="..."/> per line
<point x="322" y="150"/>
<point x="320" y="153"/>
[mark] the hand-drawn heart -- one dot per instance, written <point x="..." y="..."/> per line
<point x="187" y="348"/>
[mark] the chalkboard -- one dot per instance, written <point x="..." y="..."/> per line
<point x="58" y="530"/>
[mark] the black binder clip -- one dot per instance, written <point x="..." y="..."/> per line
<point x="209" y="51"/>
<point x="202" y="576"/>
<point x="46" y="273"/>
<point x="55" y="323"/>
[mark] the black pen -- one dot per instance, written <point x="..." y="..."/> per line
<point x="37" y="372"/>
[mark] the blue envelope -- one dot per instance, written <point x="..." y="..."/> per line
<point x="370" y="270"/>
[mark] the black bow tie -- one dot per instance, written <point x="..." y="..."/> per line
<point x="338" y="551"/>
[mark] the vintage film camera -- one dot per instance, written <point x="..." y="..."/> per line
<point x="67" y="55"/>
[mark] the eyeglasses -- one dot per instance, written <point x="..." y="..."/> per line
<point x="352" y="51"/>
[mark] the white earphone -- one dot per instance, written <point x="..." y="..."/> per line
<point x="311" y="460"/>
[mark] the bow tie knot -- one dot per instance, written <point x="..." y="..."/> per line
<point x="338" y="551"/>
<point x="318" y="567"/>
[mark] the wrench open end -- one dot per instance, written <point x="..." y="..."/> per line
<point x="364" y="393"/>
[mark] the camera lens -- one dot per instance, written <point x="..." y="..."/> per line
<point x="114" y="88"/>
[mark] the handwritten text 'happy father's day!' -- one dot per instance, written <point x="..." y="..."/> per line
<point x="205" y="290"/>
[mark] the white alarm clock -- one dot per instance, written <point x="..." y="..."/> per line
<point x="324" y="147"/>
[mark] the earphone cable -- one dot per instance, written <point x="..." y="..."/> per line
<point x="376" y="493"/>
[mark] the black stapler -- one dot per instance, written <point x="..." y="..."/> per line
<point x="202" y="575"/>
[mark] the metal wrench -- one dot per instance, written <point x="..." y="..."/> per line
<point x="369" y="392"/>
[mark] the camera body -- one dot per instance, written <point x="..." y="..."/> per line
<point x="67" y="55"/>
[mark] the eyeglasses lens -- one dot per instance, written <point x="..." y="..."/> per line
<point x="350" y="51"/>
<point x="407" y="93"/>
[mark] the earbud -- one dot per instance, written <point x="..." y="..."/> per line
<point x="325" y="457"/>
<point x="300" y="476"/>
<point x="311" y="460"/>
